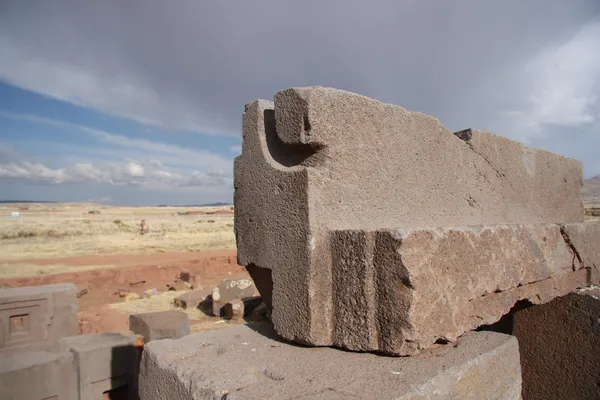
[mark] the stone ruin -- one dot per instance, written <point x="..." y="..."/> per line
<point x="369" y="228"/>
<point x="372" y="228"/>
<point x="42" y="357"/>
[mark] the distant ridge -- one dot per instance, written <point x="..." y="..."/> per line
<point x="590" y="193"/>
<point x="26" y="201"/>
<point x="196" y="205"/>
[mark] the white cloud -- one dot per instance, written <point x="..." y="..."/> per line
<point x="114" y="174"/>
<point x="167" y="153"/>
<point x="236" y="149"/>
<point x="561" y="86"/>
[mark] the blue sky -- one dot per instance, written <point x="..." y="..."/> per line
<point x="140" y="102"/>
<point x="140" y="162"/>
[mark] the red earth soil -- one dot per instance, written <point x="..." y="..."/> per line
<point x="156" y="270"/>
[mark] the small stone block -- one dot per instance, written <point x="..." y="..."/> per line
<point x="170" y="324"/>
<point x="230" y="290"/>
<point x="234" y="309"/>
<point x="188" y="277"/>
<point x="192" y="299"/>
<point x="250" y="362"/>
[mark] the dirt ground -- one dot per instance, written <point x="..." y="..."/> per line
<point x="101" y="309"/>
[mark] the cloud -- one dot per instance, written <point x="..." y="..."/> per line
<point x="194" y="65"/>
<point x="110" y="173"/>
<point x="168" y="153"/>
<point x="514" y="68"/>
<point x="561" y="87"/>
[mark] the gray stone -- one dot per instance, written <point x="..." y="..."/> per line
<point x="249" y="362"/>
<point x="170" y="324"/>
<point x="107" y="364"/>
<point x="37" y="314"/>
<point x="321" y="160"/>
<point x="398" y="292"/>
<point x="37" y="374"/>
<point x="193" y="299"/>
<point x="234" y="309"/>
<point x="231" y="290"/>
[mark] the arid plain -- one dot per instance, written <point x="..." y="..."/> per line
<point x="102" y="250"/>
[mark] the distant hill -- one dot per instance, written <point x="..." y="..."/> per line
<point x="26" y="201"/>
<point x="591" y="190"/>
<point x="196" y="205"/>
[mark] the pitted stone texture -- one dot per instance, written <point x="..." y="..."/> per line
<point x="321" y="160"/>
<point x="37" y="315"/>
<point x="170" y="324"/>
<point x="584" y="240"/>
<point x="37" y="374"/>
<point x="397" y="292"/>
<point x="559" y="346"/>
<point x="249" y="362"/>
<point x="107" y="364"/>
<point x="231" y="290"/>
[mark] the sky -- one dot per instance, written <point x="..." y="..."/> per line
<point x="140" y="101"/>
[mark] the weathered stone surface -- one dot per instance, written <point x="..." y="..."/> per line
<point x="37" y="314"/>
<point x="559" y="345"/>
<point x="585" y="245"/>
<point x="397" y="292"/>
<point x="321" y="160"/>
<point x="37" y="374"/>
<point x="249" y="362"/>
<point x="230" y="290"/>
<point x="170" y="324"/>
<point x="107" y="363"/>
<point x="193" y="299"/>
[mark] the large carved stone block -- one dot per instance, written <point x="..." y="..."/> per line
<point x="320" y="161"/>
<point x="37" y="314"/>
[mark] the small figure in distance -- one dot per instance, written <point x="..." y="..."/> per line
<point x="144" y="227"/>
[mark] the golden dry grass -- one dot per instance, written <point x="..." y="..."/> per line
<point x="51" y="231"/>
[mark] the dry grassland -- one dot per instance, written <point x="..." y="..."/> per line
<point x="66" y="230"/>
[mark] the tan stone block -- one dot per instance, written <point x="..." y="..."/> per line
<point x="320" y="160"/>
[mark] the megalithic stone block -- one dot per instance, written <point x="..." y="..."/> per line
<point x="251" y="363"/>
<point x="398" y="292"/>
<point x="320" y="160"/>
<point x="40" y="315"/>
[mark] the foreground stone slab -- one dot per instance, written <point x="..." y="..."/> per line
<point x="400" y="291"/>
<point x="37" y="314"/>
<point x="170" y="324"/>
<point x="559" y="346"/>
<point x="320" y="160"/>
<point x="37" y="374"/>
<point x="250" y="362"/>
<point x="107" y="364"/>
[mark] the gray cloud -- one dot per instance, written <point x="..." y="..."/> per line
<point x="527" y="70"/>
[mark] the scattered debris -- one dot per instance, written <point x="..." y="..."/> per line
<point x="132" y="297"/>
<point x="231" y="290"/>
<point x="136" y="283"/>
<point x="192" y="299"/>
<point x="150" y="292"/>
<point x="82" y="292"/>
